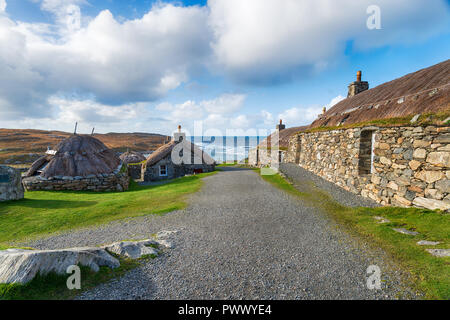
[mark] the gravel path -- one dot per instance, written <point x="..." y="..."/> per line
<point x="241" y="238"/>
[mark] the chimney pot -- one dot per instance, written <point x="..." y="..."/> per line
<point x="280" y="126"/>
<point x="357" y="86"/>
<point x="179" y="128"/>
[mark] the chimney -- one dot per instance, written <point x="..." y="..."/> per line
<point x="280" y="126"/>
<point x="179" y="136"/>
<point x="324" y="110"/>
<point x="357" y="86"/>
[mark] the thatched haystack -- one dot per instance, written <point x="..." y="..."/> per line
<point x="134" y="162"/>
<point x="77" y="156"/>
<point x="81" y="162"/>
<point x="131" y="157"/>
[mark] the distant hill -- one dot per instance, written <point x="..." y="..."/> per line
<point x="23" y="146"/>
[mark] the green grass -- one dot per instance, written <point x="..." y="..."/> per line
<point x="53" y="286"/>
<point x="431" y="275"/>
<point x="227" y="164"/>
<point x="46" y="212"/>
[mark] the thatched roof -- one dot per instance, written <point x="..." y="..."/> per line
<point x="131" y="157"/>
<point x="166" y="150"/>
<point x="426" y="90"/>
<point x="284" y="136"/>
<point x="78" y="155"/>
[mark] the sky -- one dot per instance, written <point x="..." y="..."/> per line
<point x="147" y="66"/>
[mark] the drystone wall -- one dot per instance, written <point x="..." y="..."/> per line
<point x="262" y="157"/>
<point x="10" y="184"/>
<point x="408" y="166"/>
<point x="152" y="173"/>
<point x="135" y="170"/>
<point x="99" y="183"/>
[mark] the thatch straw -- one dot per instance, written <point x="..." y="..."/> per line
<point x="131" y="157"/>
<point x="79" y="155"/>
<point x="426" y="90"/>
<point x="166" y="149"/>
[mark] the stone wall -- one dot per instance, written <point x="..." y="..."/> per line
<point x="10" y="184"/>
<point x="410" y="165"/>
<point x="261" y="157"/>
<point x="134" y="170"/>
<point x="252" y="157"/>
<point x="99" y="183"/>
<point x="151" y="173"/>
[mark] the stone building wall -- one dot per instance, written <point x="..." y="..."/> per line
<point x="134" y="170"/>
<point x="151" y="173"/>
<point x="10" y="184"/>
<point x="99" y="183"/>
<point x="410" y="166"/>
<point x="260" y="157"/>
<point x="252" y="157"/>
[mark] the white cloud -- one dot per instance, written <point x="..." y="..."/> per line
<point x="67" y="13"/>
<point x="334" y="101"/>
<point x="298" y="116"/>
<point x="2" y="6"/>
<point x="225" y="104"/>
<point x="113" y="63"/>
<point x="265" y="41"/>
<point x="106" y="62"/>
<point x="188" y="110"/>
<point x="214" y="109"/>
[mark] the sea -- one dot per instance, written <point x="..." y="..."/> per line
<point x="227" y="149"/>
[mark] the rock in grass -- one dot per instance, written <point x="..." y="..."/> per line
<point x="21" y="266"/>
<point x="381" y="219"/>
<point x="415" y="118"/>
<point x="427" y="243"/>
<point x="404" y="231"/>
<point x="439" y="252"/>
<point x="133" y="249"/>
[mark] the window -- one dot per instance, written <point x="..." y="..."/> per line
<point x="162" y="171"/>
<point x="366" y="152"/>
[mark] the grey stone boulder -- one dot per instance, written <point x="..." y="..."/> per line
<point x="132" y="249"/>
<point x="439" y="252"/>
<point x="404" y="231"/>
<point x="427" y="243"/>
<point x="165" y="243"/>
<point x="10" y="184"/>
<point x="431" y="204"/>
<point x="381" y="219"/>
<point x="21" y="266"/>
